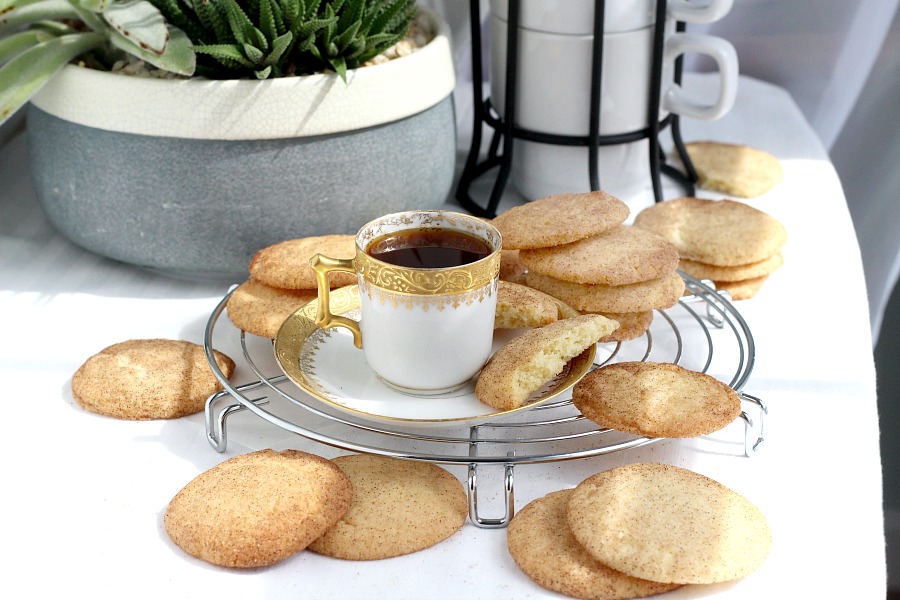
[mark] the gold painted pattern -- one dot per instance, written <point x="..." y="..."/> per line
<point x="306" y="360"/>
<point x="426" y="302"/>
<point x="301" y="327"/>
<point x="340" y="301"/>
<point x="428" y="282"/>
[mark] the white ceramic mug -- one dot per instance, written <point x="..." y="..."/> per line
<point x="576" y="17"/>
<point x="554" y="78"/>
<point x="424" y="331"/>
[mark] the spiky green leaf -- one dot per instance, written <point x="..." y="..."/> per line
<point x="226" y="52"/>
<point x="340" y="67"/>
<point x="394" y="16"/>
<point x="310" y="28"/>
<point x="290" y="9"/>
<point x="305" y="44"/>
<point x="267" y="20"/>
<point x="278" y="16"/>
<point x="214" y="21"/>
<point x="253" y="54"/>
<point x="242" y="27"/>
<point x="312" y="8"/>
<point x="184" y="19"/>
<point x="352" y="13"/>
<point x="279" y="46"/>
<point x="346" y="37"/>
<point x="325" y="34"/>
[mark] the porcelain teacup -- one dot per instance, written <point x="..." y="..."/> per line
<point x="426" y="326"/>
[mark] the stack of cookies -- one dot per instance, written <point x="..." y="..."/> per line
<point x="638" y="530"/>
<point x="575" y="247"/>
<point x="728" y="242"/>
<point x="281" y="281"/>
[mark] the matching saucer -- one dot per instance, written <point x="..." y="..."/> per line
<point x="327" y="366"/>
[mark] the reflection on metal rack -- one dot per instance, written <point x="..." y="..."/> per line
<point x="505" y="130"/>
<point x="685" y="334"/>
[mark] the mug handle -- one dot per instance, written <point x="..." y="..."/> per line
<point x="681" y="10"/>
<point x="677" y="101"/>
<point x="322" y="265"/>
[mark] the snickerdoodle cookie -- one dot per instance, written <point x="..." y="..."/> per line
<point x="527" y="361"/>
<point x="668" y="524"/>
<point x="734" y="169"/>
<point x="620" y="256"/>
<point x="631" y="325"/>
<point x="724" y="233"/>
<point x="542" y="545"/>
<point x="519" y="306"/>
<point x="760" y="268"/>
<point x="286" y="264"/>
<point x="399" y="507"/>
<point x="511" y="266"/>
<point x="636" y="297"/>
<point x="256" y="509"/>
<point x="259" y="309"/>
<point x="742" y="290"/>
<point x="148" y="379"/>
<point x="559" y="219"/>
<point x="656" y="400"/>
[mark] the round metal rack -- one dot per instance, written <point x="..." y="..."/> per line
<point x="703" y="332"/>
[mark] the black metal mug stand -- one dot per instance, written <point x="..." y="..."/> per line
<point x="506" y="132"/>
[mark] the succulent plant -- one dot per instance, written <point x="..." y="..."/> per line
<point x="222" y="39"/>
<point x="273" y="38"/>
<point x="39" y="37"/>
<point x="364" y="29"/>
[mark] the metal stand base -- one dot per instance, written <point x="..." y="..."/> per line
<point x="500" y="151"/>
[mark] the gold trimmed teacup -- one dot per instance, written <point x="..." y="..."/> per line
<point x="428" y="295"/>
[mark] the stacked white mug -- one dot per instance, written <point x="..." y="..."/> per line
<point x="553" y="94"/>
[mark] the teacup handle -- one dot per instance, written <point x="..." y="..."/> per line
<point x="323" y="265"/>
<point x="681" y="10"/>
<point x="721" y="51"/>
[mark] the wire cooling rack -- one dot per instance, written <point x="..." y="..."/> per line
<point x="703" y="332"/>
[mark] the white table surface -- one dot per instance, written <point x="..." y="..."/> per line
<point x="85" y="495"/>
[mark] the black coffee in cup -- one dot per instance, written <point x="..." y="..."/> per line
<point x="428" y="248"/>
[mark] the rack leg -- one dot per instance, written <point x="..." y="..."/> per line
<point x="508" y="495"/>
<point x="752" y="446"/>
<point x="216" y="432"/>
<point x="509" y="502"/>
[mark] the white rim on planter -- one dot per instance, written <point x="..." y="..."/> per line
<point x="249" y="109"/>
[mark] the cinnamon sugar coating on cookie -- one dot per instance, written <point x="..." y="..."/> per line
<point x="148" y="379"/>
<point x="656" y="400"/>
<point x="542" y="545"/>
<point x="559" y="219"/>
<point x="620" y="256"/>
<point x="257" y="509"/>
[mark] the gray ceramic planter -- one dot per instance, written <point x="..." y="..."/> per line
<point x="191" y="178"/>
